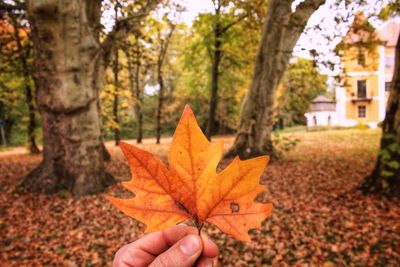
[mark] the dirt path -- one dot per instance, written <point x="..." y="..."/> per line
<point x="22" y="150"/>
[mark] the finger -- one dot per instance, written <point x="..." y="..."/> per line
<point x="210" y="249"/>
<point x="205" y="262"/>
<point x="143" y="251"/>
<point x="128" y="256"/>
<point x="183" y="254"/>
<point x="158" y="242"/>
<point x="210" y="253"/>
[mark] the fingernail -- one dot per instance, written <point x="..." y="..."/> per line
<point x="190" y="245"/>
<point x="209" y="263"/>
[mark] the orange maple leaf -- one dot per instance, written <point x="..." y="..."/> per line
<point x="192" y="188"/>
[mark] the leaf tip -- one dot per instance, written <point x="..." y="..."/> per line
<point x="111" y="199"/>
<point x="187" y="112"/>
<point x="268" y="210"/>
<point x="244" y="238"/>
<point x="187" y="109"/>
<point x="263" y="160"/>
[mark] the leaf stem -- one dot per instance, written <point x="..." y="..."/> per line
<point x="200" y="227"/>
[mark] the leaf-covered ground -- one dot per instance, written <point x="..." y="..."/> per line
<point x="319" y="217"/>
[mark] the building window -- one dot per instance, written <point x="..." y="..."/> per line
<point x="362" y="111"/>
<point x="389" y="61"/>
<point x="387" y="86"/>
<point x="361" y="59"/>
<point x="362" y="89"/>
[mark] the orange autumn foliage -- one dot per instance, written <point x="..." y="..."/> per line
<point x="192" y="188"/>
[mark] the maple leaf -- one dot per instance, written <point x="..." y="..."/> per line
<point x="192" y="188"/>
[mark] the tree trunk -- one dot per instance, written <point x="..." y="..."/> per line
<point x="385" y="178"/>
<point x="68" y="74"/>
<point x="214" y="79"/>
<point x="138" y="104"/>
<point x="160" y="102"/>
<point x="139" y="116"/>
<point x="117" y="132"/>
<point x="134" y="87"/>
<point x="33" y="148"/>
<point x="8" y="126"/>
<point x="160" y="61"/>
<point x="282" y="28"/>
<point x="104" y="151"/>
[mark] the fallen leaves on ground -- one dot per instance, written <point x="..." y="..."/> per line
<point x="319" y="218"/>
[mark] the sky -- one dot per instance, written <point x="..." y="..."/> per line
<point x="194" y="7"/>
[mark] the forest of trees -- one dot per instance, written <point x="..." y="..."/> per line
<point x="71" y="80"/>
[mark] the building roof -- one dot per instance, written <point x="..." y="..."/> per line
<point x="322" y="99"/>
<point x="389" y="33"/>
<point x="322" y="103"/>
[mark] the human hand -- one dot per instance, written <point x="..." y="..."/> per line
<point x="178" y="246"/>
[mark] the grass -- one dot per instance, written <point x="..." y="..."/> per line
<point x="337" y="143"/>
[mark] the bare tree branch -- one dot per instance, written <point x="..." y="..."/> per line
<point x="229" y="25"/>
<point x="305" y="9"/>
<point x="298" y="21"/>
<point x="123" y="27"/>
<point x="164" y="46"/>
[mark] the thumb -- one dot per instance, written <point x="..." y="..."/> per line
<point x="183" y="254"/>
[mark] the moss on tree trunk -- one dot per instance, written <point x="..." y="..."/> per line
<point x="385" y="178"/>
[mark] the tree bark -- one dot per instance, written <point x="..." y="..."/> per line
<point x="135" y="89"/>
<point x="105" y="153"/>
<point x="8" y="126"/>
<point x="138" y="105"/>
<point x="160" y="61"/>
<point x="117" y="132"/>
<point x="160" y="102"/>
<point x="68" y="75"/>
<point x="385" y="178"/>
<point x="5" y="120"/>
<point x="282" y="28"/>
<point x="216" y="60"/>
<point x="33" y="148"/>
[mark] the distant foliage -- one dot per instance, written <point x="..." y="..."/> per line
<point x="301" y="83"/>
<point x="239" y="47"/>
<point x="125" y="112"/>
<point x="13" y="107"/>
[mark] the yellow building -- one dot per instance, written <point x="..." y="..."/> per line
<point x="368" y="61"/>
